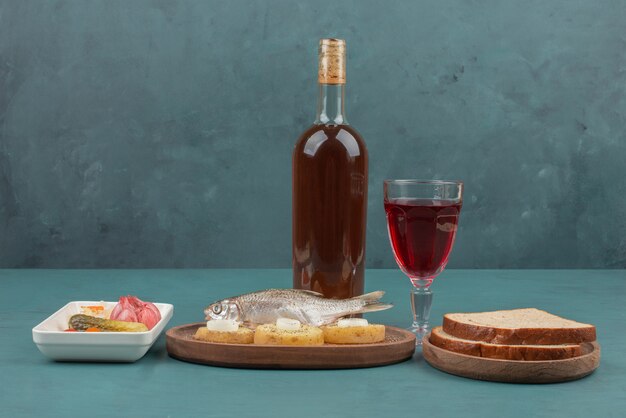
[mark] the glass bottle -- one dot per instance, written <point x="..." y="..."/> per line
<point x="330" y="190"/>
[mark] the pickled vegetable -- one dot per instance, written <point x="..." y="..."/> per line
<point x="82" y="322"/>
<point x="133" y="309"/>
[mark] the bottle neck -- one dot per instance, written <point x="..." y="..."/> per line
<point x="330" y="105"/>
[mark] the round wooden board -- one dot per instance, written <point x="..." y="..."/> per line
<point x="513" y="371"/>
<point x="399" y="345"/>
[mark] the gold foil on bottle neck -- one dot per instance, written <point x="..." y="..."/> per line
<point x="332" y="61"/>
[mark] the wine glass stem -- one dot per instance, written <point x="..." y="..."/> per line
<point x="421" y="301"/>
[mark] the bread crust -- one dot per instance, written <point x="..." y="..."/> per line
<point x="504" y="352"/>
<point x="518" y="336"/>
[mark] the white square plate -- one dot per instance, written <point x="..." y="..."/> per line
<point x="54" y="342"/>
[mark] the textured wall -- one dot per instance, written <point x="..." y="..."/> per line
<point x="159" y="133"/>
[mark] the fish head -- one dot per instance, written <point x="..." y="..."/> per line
<point x="223" y="309"/>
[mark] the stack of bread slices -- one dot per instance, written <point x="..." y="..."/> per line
<point x="518" y="334"/>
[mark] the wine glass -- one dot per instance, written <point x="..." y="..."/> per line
<point x="422" y="219"/>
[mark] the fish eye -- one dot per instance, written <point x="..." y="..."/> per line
<point x="217" y="309"/>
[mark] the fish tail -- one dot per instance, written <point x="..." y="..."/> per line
<point x="371" y="297"/>
<point x="371" y="302"/>
<point x="374" y="307"/>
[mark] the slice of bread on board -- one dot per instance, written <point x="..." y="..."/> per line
<point x="270" y="334"/>
<point x="368" y="334"/>
<point x="528" y="326"/>
<point x="441" y="339"/>
<point x="242" y="336"/>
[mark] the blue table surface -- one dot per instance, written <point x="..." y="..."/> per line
<point x="158" y="385"/>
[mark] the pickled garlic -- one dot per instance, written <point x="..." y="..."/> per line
<point x="133" y="309"/>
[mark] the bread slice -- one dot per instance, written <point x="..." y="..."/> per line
<point x="270" y="334"/>
<point x="368" y="334"/>
<point x="242" y="336"/>
<point x="518" y="326"/>
<point x="439" y="338"/>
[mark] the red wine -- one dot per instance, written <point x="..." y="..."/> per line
<point x="422" y="233"/>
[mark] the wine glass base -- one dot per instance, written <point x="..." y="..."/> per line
<point x="419" y="333"/>
<point x="421" y="301"/>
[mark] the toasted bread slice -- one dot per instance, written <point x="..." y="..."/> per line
<point x="439" y="338"/>
<point x="518" y="326"/>
<point x="242" y="336"/>
<point x="270" y="334"/>
<point x="371" y="333"/>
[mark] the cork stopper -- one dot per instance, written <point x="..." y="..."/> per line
<point x="332" y="61"/>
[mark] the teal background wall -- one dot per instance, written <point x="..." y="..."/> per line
<point x="159" y="133"/>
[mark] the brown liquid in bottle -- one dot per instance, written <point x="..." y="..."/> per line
<point x="329" y="211"/>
